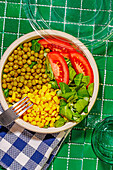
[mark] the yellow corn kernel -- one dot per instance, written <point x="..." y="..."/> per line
<point x="33" y="123"/>
<point x="30" y="95"/>
<point x="25" y="118"/>
<point x="16" y="100"/>
<point x="37" y="118"/>
<point x="30" y="119"/>
<point x="47" y="108"/>
<point x="43" y="121"/>
<point x="49" y="86"/>
<point x="53" y="113"/>
<point x="50" y="111"/>
<point x="24" y="95"/>
<point x="57" y="117"/>
<point x="34" y="113"/>
<point x="48" y="96"/>
<point x="56" y="114"/>
<point x="10" y="105"/>
<point x="27" y="89"/>
<point x="46" y="105"/>
<point x="29" y="110"/>
<point x="53" y="93"/>
<point x="54" y="107"/>
<point x="14" y="96"/>
<point x="35" y="92"/>
<point x="53" y="119"/>
<point x="65" y="118"/>
<point x="35" y="107"/>
<point x="43" y="98"/>
<point x="10" y="100"/>
<point x="43" y="113"/>
<point x="48" y="118"/>
<point x="51" y="124"/>
<point x="58" y="108"/>
<point x="37" y="99"/>
<point x="55" y="98"/>
<point x="40" y="108"/>
<point x="44" y="88"/>
<point x="42" y="117"/>
<point x="47" y="123"/>
<point x="41" y="125"/>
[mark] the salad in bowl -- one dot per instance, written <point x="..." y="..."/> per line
<point x="58" y="74"/>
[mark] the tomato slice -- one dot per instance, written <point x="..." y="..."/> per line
<point x="59" y="67"/>
<point x="81" y="65"/>
<point x="57" y="45"/>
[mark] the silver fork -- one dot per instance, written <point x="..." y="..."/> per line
<point x="15" y="111"/>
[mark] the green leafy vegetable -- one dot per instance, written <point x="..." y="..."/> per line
<point x="64" y="87"/>
<point x="85" y="109"/>
<point x="68" y="62"/>
<point x="60" y="122"/>
<point x="21" y="46"/>
<point x="65" y="111"/>
<point x="90" y="89"/>
<point x="81" y="104"/>
<point x="63" y="102"/>
<point x="72" y="73"/>
<point x="78" y="79"/>
<point x="86" y="80"/>
<point x="54" y="84"/>
<point x="35" y="46"/>
<point x="68" y="95"/>
<point x="32" y="64"/>
<point x="49" y="69"/>
<point x="82" y="92"/>
<point x="6" y="92"/>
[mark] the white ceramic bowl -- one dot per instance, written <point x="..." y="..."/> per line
<point x="73" y="40"/>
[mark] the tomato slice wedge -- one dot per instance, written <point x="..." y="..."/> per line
<point x="57" y="45"/>
<point x="81" y="65"/>
<point x="59" y="67"/>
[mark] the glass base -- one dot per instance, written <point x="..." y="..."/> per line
<point x="102" y="140"/>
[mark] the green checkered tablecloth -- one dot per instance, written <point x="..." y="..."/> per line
<point x="76" y="152"/>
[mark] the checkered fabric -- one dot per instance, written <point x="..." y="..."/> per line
<point x="23" y="149"/>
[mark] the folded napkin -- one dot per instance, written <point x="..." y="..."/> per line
<point x="23" y="149"/>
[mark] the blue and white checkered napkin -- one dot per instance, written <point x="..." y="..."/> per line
<point x="23" y="149"/>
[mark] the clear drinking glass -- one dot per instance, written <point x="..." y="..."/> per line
<point x="102" y="140"/>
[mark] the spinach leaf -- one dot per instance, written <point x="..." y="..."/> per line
<point x="54" y="84"/>
<point x="82" y="92"/>
<point x="72" y="73"/>
<point x="86" y="80"/>
<point x="85" y="109"/>
<point x="68" y="62"/>
<point x="63" y="103"/>
<point x="72" y="98"/>
<point x="90" y="89"/>
<point x="21" y="46"/>
<point x="78" y="118"/>
<point x="32" y="64"/>
<point x="60" y="122"/>
<point x="6" y="92"/>
<point x="49" y="69"/>
<point x="59" y="93"/>
<point x="64" y="87"/>
<point x="81" y="104"/>
<point x="35" y="45"/>
<point x="65" y="111"/>
<point x="68" y="95"/>
<point x="78" y="79"/>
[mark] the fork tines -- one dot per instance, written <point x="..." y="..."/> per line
<point x="23" y="105"/>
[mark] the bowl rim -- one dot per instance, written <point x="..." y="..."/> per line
<point x="37" y="34"/>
